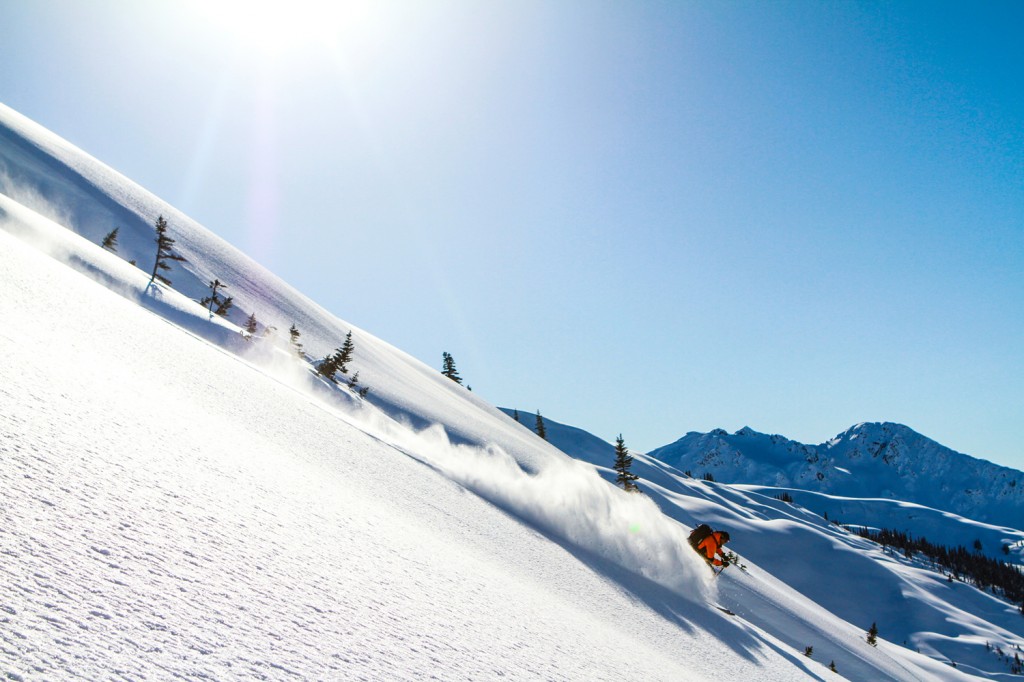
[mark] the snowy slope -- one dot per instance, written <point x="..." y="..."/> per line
<point x="798" y="557"/>
<point x="867" y="460"/>
<point x="175" y="510"/>
<point x="181" y="501"/>
<point x="50" y="176"/>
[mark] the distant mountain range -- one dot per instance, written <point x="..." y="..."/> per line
<point x="882" y="460"/>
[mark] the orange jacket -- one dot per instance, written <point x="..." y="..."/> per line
<point x="710" y="546"/>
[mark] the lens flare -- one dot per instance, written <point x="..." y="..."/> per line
<point x="274" y="27"/>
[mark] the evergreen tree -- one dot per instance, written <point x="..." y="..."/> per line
<point x="541" y="431"/>
<point x="250" y="324"/>
<point x="623" y="461"/>
<point x="344" y="354"/>
<point x="328" y="367"/>
<point x="448" y="368"/>
<point x="110" y="241"/>
<point x="832" y="667"/>
<point x="163" y="253"/>
<point x="215" y="299"/>
<point x="338" y="362"/>
<point x="354" y="382"/>
<point x="873" y="635"/>
<point x="515" y="415"/>
<point x="295" y="334"/>
<point x="809" y="651"/>
<point x="224" y="306"/>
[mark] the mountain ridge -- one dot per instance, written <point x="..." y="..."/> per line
<point x="869" y="459"/>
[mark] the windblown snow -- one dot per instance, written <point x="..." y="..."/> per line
<point x="180" y="501"/>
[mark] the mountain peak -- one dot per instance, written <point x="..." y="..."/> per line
<point x="872" y="428"/>
<point x="869" y="459"/>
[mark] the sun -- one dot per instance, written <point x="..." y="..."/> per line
<point x="275" y="27"/>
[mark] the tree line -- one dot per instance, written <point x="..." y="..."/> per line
<point x="963" y="564"/>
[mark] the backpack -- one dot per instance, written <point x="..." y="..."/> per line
<point x="698" y="534"/>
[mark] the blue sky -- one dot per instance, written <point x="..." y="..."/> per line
<point x="646" y="218"/>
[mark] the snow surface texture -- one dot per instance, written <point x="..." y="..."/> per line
<point x="179" y="501"/>
<point x="867" y="460"/>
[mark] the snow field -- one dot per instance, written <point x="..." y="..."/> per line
<point x="171" y="511"/>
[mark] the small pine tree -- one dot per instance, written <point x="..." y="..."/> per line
<point x="541" y="430"/>
<point x="515" y="415"/>
<point x="733" y="559"/>
<point x="328" y="367"/>
<point x="448" y="368"/>
<point x="832" y="667"/>
<point x="110" y="241"/>
<point x="344" y="354"/>
<point x="873" y="635"/>
<point x="163" y="253"/>
<point x="623" y="461"/>
<point x="250" y="324"/>
<point x="354" y="382"/>
<point x="809" y="651"/>
<point x="294" y="333"/>
<point x="215" y="299"/>
<point x="224" y="306"/>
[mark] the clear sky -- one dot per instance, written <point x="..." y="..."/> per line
<point x="636" y="217"/>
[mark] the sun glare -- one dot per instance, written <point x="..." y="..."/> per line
<point x="275" y="27"/>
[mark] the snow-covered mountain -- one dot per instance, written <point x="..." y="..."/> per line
<point x="867" y="460"/>
<point x="183" y="500"/>
<point x="832" y="567"/>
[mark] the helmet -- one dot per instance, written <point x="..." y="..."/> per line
<point x="724" y="535"/>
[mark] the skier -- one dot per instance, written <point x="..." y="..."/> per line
<point x="708" y="543"/>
